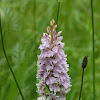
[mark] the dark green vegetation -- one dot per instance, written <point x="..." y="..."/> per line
<point x="21" y="42"/>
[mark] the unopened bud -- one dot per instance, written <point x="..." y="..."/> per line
<point x="52" y="23"/>
<point x="48" y="29"/>
<point x="84" y="62"/>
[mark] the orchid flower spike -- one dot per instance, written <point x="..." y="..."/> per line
<point x="54" y="82"/>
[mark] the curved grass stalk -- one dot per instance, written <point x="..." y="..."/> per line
<point x="8" y="61"/>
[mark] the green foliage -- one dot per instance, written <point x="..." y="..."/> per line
<point x="21" y="42"/>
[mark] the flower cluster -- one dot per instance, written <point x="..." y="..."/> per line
<point x="54" y="82"/>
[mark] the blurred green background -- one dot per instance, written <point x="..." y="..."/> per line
<point x="23" y="26"/>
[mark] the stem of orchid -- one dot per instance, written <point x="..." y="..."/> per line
<point x="52" y="39"/>
<point x="52" y="24"/>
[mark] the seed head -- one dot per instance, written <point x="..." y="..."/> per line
<point x="84" y="62"/>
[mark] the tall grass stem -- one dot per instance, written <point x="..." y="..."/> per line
<point x="34" y="12"/>
<point x="58" y="11"/>
<point x="93" y="46"/>
<point x="81" y="84"/>
<point x="8" y="61"/>
<point x="35" y="37"/>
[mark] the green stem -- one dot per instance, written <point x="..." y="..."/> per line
<point x="35" y="37"/>
<point x="81" y="84"/>
<point x="34" y="9"/>
<point x="58" y="12"/>
<point x="93" y="45"/>
<point x="8" y="61"/>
